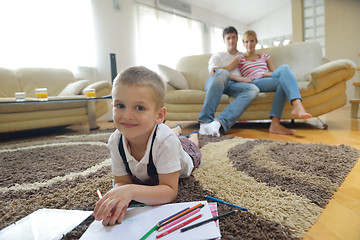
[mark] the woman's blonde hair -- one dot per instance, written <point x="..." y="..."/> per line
<point x="250" y="33"/>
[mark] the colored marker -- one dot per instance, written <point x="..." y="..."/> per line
<point x="207" y="221"/>
<point x="149" y="232"/>
<point x="200" y="205"/>
<point x="227" y="203"/>
<point x="172" y="216"/>
<point x="179" y="226"/>
<point x="178" y="220"/>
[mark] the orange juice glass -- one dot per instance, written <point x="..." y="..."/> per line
<point x="41" y="94"/>
<point x="90" y="93"/>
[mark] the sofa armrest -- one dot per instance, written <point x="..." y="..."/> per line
<point x="102" y="88"/>
<point x="328" y="74"/>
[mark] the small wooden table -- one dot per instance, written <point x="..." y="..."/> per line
<point x="354" y="107"/>
<point x="355" y="102"/>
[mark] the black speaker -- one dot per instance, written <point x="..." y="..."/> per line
<point x="113" y="66"/>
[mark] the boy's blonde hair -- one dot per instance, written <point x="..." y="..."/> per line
<point x="250" y="33"/>
<point x="142" y="76"/>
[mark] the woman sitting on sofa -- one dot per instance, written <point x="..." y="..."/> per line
<point x="260" y="69"/>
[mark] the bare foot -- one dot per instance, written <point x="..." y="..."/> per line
<point x="276" y="127"/>
<point x="299" y="110"/>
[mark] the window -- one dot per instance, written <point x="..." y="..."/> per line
<point x="165" y="37"/>
<point x="274" y="42"/>
<point x="314" y="22"/>
<point x="216" y="40"/>
<point x="42" y="33"/>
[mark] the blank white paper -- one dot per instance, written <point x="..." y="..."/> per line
<point x="44" y="224"/>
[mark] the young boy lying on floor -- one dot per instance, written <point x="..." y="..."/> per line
<point x="143" y="149"/>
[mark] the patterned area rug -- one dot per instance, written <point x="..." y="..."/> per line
<point x="285" y="185"/>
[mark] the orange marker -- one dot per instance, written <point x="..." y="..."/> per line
<point x="99" y="194"/>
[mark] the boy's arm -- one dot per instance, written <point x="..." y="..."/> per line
<point x="165" y="192"/>
<point x="112" y="207"/>
<point x="122" y="180"/>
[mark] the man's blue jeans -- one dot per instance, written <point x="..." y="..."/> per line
<point x="220" y="83"/>
<point x="284" y="84"/>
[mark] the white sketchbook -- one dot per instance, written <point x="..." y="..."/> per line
<point x="139" y="220"/>
<point x="44" y="224"/>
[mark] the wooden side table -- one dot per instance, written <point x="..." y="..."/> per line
<point x="354" y="107"/>
<point x="355" y="102"/>
<point x="357" y="89"/>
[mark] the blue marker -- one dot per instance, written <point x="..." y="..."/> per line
<point x="227" y="203"/>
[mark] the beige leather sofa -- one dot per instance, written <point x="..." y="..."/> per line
<point x="322" y="84"/>
<point x="61" y="85"/>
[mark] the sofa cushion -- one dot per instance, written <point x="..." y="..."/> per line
<point x="331" y="73"/>
<point x="195" y="70"/>
<point x="302" y="57"/>
<point x="74" y="88"/>
<point x="173" y="77"/>
<point x="54" y="79"/>
<point x="102" y="88"/>
<point x="9" y="79"/>
<point x="189" y="96"/>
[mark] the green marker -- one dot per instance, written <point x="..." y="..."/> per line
<point x="149" y="232"/>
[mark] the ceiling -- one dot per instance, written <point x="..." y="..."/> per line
<point x="244" y="11"/>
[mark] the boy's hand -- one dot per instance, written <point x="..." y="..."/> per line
<point x="113" y="206"/>
<point x="111" y="220"/>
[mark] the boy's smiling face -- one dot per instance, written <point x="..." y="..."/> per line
<point x="135" y="112"/>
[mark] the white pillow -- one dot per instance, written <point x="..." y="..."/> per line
<point x="74" y="88"/>
<point x="173" y="77"/>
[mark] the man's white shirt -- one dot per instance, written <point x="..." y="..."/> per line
<point x="222" y="59"/>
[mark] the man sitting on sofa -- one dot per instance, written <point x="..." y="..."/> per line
<point x="219" y="83"/>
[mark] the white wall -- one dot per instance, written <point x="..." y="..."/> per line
<point x="114" y="33"/>
<point x="209" y="17"/>
<point x="278" y="23"/>
<point x="216" y="19"/>
<point x="342" y="35"/>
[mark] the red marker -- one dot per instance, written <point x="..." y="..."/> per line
<point x="178" y="226"/>
<point x="200" y="205"/>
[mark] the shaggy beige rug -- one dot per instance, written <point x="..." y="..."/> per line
<point x="285" y="185"/>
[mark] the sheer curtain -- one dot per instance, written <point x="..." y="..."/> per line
<point x="46" y="33"/>
<point x="166" y="37"/>
<point x="216" y="40"/>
